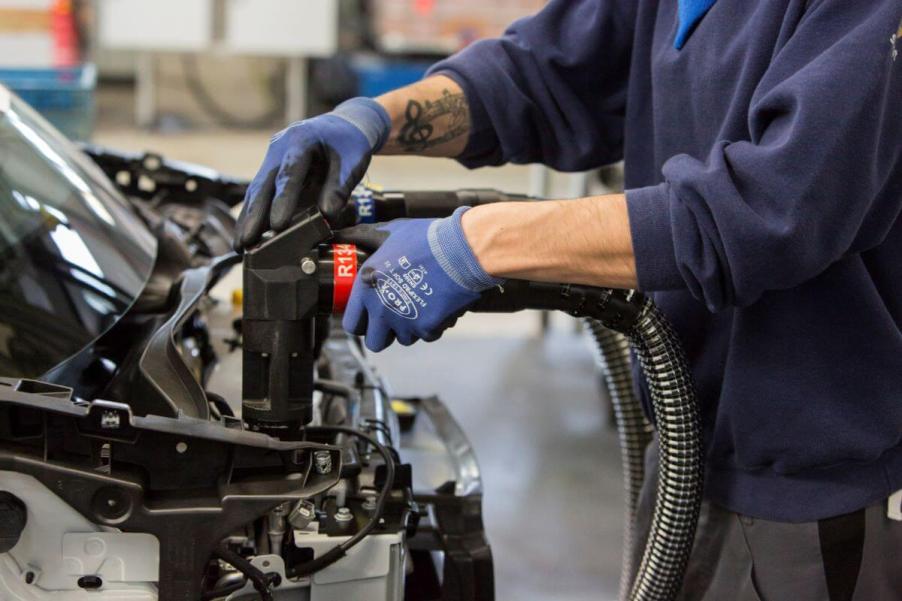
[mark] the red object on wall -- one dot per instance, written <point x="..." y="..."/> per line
<point x="424" y="7"/>
<point x="65" y="37"/>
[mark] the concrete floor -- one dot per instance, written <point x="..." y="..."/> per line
<point x="550" y="466"/>
<point x="529" y="404"/>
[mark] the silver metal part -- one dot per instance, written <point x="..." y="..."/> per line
<point x="302" y="514"/>
<point x="109" y="420"/>
<point x="340" y="493"/>
<point x="322" y="461"/>
<point x="343" y="515"/>
<point x="277" y="526"/>
<point x="308" y="265"/>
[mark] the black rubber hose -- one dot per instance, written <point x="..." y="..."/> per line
<point x="257" y="577"/>
<point x="679" y="489"/>
<point x="633" y="430"/>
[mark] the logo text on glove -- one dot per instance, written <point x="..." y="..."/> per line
<point x="394" y="297"/>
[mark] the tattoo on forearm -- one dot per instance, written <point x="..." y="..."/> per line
<point x="416" y="134"/>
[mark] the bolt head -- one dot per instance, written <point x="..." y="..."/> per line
<point x="308" y="265"/>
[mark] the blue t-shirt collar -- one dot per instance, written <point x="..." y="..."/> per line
<point x="690" y="13"/>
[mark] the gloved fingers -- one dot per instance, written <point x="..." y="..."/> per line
<point x="290" y="183"/>
<point x="254" y="218"/>
<point x="367" y="236"/>
<point x="406" y="338"/>
<point x="339" y="182"/>
<point x="356" y="317"/>
<point x="242" y="218"/>
<point x="347" y="216"/>
<point x="435" y="333"/>
<point x="378" y="336"/>
<point x="433" y="336"/>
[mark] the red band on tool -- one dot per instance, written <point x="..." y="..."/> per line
<point x="344" y="270"/>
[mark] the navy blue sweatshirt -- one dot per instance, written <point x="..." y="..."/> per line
<point x="764" y="187"/>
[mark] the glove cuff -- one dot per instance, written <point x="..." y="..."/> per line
<point x="453" y="253"/>
<point x="368" y="116"/>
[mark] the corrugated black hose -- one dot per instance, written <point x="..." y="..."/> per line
<point x="679" y="489"/>
<point x="633" y="430"/>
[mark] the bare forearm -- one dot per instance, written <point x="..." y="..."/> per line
<point x="430" y="117"/>
<point x="583" y="241"/>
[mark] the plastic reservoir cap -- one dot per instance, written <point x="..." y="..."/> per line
<point x="237" y="297"/>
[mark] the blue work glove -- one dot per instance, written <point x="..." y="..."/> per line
<point x="423" y="276"/>
<point x="316" y="161"/>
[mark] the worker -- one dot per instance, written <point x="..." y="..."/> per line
<point x="763" y="155"/>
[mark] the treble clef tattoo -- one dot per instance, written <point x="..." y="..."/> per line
<point x="417" y="132"/>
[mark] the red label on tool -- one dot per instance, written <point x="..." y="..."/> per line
<point x="344" y="270"/>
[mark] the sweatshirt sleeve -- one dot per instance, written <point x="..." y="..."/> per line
<point x="552" y="89"/>
<point x="819" y="178"/>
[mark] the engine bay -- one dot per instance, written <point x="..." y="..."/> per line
<point x="133" y="480"/>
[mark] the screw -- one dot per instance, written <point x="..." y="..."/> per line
<point x="111" y="504"/>
<point x="369" y="503"/>
<point x="323" y="462"/>
<point x="343" y="515"/>
<point x="308" y="265"/>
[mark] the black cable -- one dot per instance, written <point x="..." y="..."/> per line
<point x="225" y="591"/>
<point x="338" y="551"/>
<point x="220" y="114"/>
<point x="375" y="425"/>
<point x="333" y="387"/>
<point x="378" y="425"/>
<point x="257" y="577"/>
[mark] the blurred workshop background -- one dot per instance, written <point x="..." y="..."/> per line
<point x="209" y="81"/>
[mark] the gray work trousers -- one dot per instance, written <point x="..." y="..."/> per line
<point x="854" y="557"/>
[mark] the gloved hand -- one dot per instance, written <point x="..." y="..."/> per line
<point x="423" y="277"/>
<point x="316" y="160"/>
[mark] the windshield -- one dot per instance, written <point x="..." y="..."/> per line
<point x="73" y="254"/>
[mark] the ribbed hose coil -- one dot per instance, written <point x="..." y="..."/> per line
<point x="633" y="430"/>
<point x="679" y="491"/>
